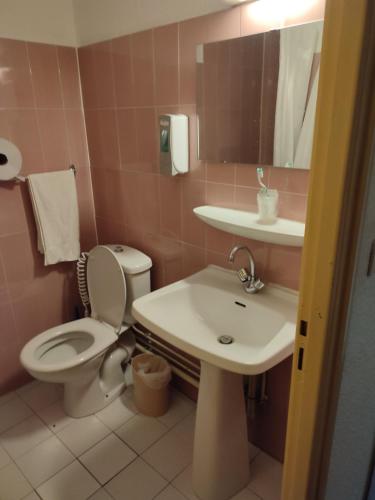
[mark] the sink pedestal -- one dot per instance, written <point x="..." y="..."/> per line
<point x="221" y="460"/>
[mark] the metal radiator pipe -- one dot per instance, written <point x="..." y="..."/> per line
<point x="175" y="369"/>
<point x="150" y="339"/>
<point x="173" y="360"/>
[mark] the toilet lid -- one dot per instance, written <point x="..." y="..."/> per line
<point x="107" y="287"/>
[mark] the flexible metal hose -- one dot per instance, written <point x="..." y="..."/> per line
<point x="82" y="282"/>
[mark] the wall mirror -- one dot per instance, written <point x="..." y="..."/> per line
<point x="256" y="97"/>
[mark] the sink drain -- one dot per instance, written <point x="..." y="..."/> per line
<point x="225" y="339"/>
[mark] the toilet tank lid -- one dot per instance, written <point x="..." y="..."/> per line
<point x="131" y="260"/>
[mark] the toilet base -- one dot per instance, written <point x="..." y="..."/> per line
<point x="79" y="405"/>
<point x="98" y="386"/>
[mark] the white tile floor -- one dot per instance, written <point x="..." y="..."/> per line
<point x="116" y="454"/>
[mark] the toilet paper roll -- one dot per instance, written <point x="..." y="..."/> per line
<point x="10" y="160"/>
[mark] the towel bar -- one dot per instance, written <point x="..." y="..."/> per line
<point x="23" y="179"/>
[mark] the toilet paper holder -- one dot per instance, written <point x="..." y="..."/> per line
<point x="11" y="162"/>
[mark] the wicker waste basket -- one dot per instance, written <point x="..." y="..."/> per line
<point x="151" y="375"/>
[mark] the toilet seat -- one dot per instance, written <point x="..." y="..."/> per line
<point x="72" y="344"/>
<point x="107" y="287"/>
<point x="68" y="345"/>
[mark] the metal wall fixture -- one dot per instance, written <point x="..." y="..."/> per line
<point x="20" y="178"/>
<point x="186" y="368"/>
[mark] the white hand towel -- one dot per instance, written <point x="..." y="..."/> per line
<point x="54" y="200"/>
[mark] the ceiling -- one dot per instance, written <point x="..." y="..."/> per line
<point x="98" y="20"/>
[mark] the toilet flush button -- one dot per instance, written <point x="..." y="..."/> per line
<point x="118" y="249"/>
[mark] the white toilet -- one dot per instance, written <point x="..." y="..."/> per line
<point x="85" y="355"/>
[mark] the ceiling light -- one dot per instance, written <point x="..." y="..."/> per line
<point x="264" y="10"/>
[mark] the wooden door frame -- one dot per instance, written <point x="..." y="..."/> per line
<point x="340" y="160"/>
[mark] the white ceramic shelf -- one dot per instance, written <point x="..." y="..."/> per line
<point x="283" y="232"/>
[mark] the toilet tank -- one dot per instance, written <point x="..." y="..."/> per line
<point x="136" y="267"/>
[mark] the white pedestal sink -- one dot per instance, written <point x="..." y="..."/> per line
<point x="193" y="314"/>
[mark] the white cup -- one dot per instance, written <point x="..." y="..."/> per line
<point x="268" y="206"/>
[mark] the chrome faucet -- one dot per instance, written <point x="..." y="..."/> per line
<point x="251" y="283"/>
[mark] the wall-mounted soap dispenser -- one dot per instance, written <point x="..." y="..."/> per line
<point x="174" y="144"/>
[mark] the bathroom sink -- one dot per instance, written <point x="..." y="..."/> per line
<point x="258" y="331"/>
<point x="194" y="313"/>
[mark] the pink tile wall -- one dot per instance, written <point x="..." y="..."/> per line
<point x="40" y="111"/>
<point x="127" y="82"/>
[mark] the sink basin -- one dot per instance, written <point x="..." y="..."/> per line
<point x="194" y="314"/>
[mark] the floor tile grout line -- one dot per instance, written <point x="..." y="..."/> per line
<point x="102" y="485"/>
<point x="138" y="455"/>
<point x="89" y="448"/>
<point x="19" y="422"/>
<point x="36" y="493"/>
<point x="159" y="438"/>
<point x="111" y="431"/>
<point x="119" y="472"/>
<point x="27" y="387"/>
<point x="123" y="423"/>
<point x="159" y="473"/>
<point x="128" y="445"/>
<point x="148" y="447"/>
<point x="76" y="457"/>
<point x="109" y="480"/>
<point x="66" y="466"/>
<point x="190" y="464"/>
<point x="14" y="459"/>
<point x="54" y="474"/>
<point x="22" y="474"/>
<point x="108" y="493"/>
<point x="30" y="407"/>
<point x="141" y="456"/>
<point x="255" y="456"/>
<point x="166" y="487"/>
<point x="28" y="451"/>
<point x="169" y="429"/>
<point x="253" y="492"/>
<point x="174" y="486"/>
<point x="7" y="400"/>
<point x="144" y="462"/>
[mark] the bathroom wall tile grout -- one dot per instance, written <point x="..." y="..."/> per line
<point x="36" y="115"/>
<point x="29" y="117"/>
<point x="86" y="146"/>
<point x="137" y="206"/>
<point x="65" y="117"/>
<point x="133" y="203"/>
